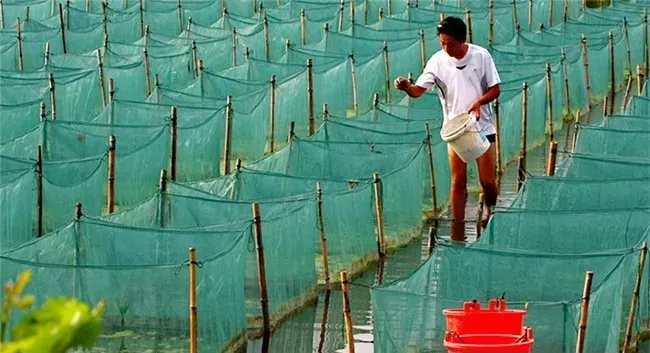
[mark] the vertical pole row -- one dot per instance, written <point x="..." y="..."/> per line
<point x="39" y="185"/>
<point x="62" y="28"/>
<point x="52" y="94"/>
<point x="380" y="215"/>
<point x="340" y="19"/>
<point x="552" y="157"/>
<point x="323" y="237"/>
<point x="272" y="116"/>
<point x="261" y="269"/>
<point x="584" y="313"/>
<point x="310" y="96"/>
<point x="173" y="145"/>
<point x="468" y="17"/>
<point x="565" y="70"/>
<point x="432" y="179"/>
<point x="549" y="100"/>
<point x="386" y="73"/>
<point x="110" y="202"/>
<point x="345" y="291"/>
<point x="228" y="134"/>
<point x="585" y="61"/>
<point x="635" y="298"/>
<point x="102" y="84"/>
<point x="193" y="307"/>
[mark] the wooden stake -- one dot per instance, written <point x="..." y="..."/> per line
<point x="423" y="49"/>
<point x="639" y="79"/>
<point x="389" y="7"/>
<point x="524" y="120"/>
<point x="111" y="98"/>
<point x="326" y="113"/>
<point x="515" y="18"/>
<point x="62" y="28"/>
<point x="627" y="46"/>
<point x="584" y="312"/>
<point x="612" y="73"/>
<point x="521" y="175"/>
<point x="43" y="112"/>
<point x="605" y="109"/>
<point x="355" y="94"/>
<point x="386" y="74"/>
<point x="20" y="44"/>
<point x="345" y="290"/>
<point x="234" y="46"/>
<point x="141" y="19"/>
<point x="341" y="11"/>
<point x="431" y="242"/>
<point x="162" y="200"/>
<point x="365" y="13"/>
<point x="550" y="14"/>
<point x="247" y="54"/>
<point x="78" y="211"/>
<point x="352" y="14"/>
<point x="646" y="50"/>
<point x="432" y="178"/>
<point x="67" y="14"/>
<point x="2" y="15"/>
<point x="628" y="89"/>
<point x="552" y="157"/>
<point x="110" y="202"/>
<point x="261" y="269"/>
<point x="102" y="84"/>
<point x="380" y="215"/>
<point x="174" y="142"/>
<point x="310" y="96"/>
<point x="157" y="84"/>
<point x="566" y="81"/>
<point x="585" y="60"/>
<point x="381" y="14"/>
<point x="180" y="17"/>
<point x="530" y="15"/>
<point x="39" y="185"/>
<point x="87" y="6"/>
<point x="228" y="134"/>
<point x="47" y="54"/>
<point x="498" y="137"/>
<point x="468" y="18"/>
<point x="195" y="58"/>
<point x="104" y="17"/>
<point x="491" y="24"/>
<point x="267" y="51"/>
<point x="565" y="15"/>
<point x="479" y="216"/>
<point x="323" y="237"/>
<point x="52" y="94"/>
<point x="193" y="307"/>
<point x="635" y="298"/>
<point x="189" y="26"/>
<point x="576" y="130"/>
<point x="272" y="116"/>
<point x="549" y="100"/>
<point x="303" y="27"/>
<point x="380" y="271"/>
<point x="323" y="324"/>
<point x="292" y="125"/>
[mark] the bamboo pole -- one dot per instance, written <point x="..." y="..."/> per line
<point x="47" y="54"/>
<point x="111" y="175"/>
<point x="646" y="50"/>
<point x="353" y="18"/>
<point x="345" y="290"/>
<point x="234" y="46"/>
<point x="340" y="19"/>
<point x="552" y="157"/>
<point x="267" y="51"/>
<point x="261" y="269"/>
<point x="111" y="98"/>
<point x="195" y="57"/>
<point x="62" y="28"/>
<point x="380" y="215"/>
<point x="247" y="54"/>
<point x="468" y="17"/>
<point x="549" y="100"/>
<point x="323" y="324"/>
<point x="163" y="198"/>
<point x="228" y="134"/>
<point x="365" y="13"/>
<point x="188" y="29"/>
<point x="565" y="15"/>
<point x="75" y="274"/>
<point x="576" y="130"/>
<point x="310" y="96"/>
<point x="323" y="237"/>
<point x="423" y="49"/>
<point x="498" y="137"/>
<point x="180" y="16"/>
<point x="291" y="135"/>
<point x="605" y="109"/>
<point x="639" y="79"/>
<point x="386" y="75"/>
<point x="635" y="298"/>
<point x="612" y="73"/>
<point x="193" y="307"/>
<point x="102" y="83"/>
<point x="2" y="15"/>
<point x="326" y="113"/>
<point x="157" y="85"/>
<point x="524" y="120"/>
<point x="389" y="7"/>
<point x="87" y="7"/>
<point x="381" y="14"/>
<point x="43" y="111"/>
<point x="585" y="60"/>
<point x="147" y="66"/>
<point x="584" y="312"/>
<point x="566" y="81"/>
<point x="303" y="27"/>
<point x="20" y="45"/>
<point x="550" y="14"/>
<point x="479" y="216"/>
<point x="521" y="176"/>
<point x="628" y="90"/>
<point x="272" y="116"/>
<point x="141" y="19"/>
<point x="432" y="179"/>
<point x="52" y="94"/>
<point x="515" y="18"/>
<point x="39" y="185"/>
<point x="431" y="241"/>
<point x="627" y="46"/>
<point x="491" y="24"/>
<point x="67" y="14"/>
<point x="380" y="271"/>
<point x="355" y="93"/>
<point x="530" y="15"/>
<point x="174" y="143"/>
<point x="104" y="18"/>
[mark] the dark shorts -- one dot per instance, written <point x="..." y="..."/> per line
<point x="491" y="138"/>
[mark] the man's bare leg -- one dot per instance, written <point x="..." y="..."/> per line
<point x="458" y="194"/>
<point x="487" y="178"/>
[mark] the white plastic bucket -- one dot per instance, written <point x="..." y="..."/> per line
<point x="462" y="134"/>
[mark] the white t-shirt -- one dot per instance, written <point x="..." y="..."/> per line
<point x="461" y="82"/>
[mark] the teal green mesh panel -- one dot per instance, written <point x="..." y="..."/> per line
<point x="17" y="223"/>
<point x="38" y="9"/>
<point x="590" y="231"/>
<point x="18" y="89"/>
<point x="24" y="146"/>
<point x="625" y="122"/>
<point x="199" y="148"/>
<point x="129" y="80"/>
<point x="542" y="193"/>
<point x="85" y="40"/>
<point x="217" y="86"/>
<point x="17" y="119"/>
<point x="615" y="143"/>
<point x="578" y="165"/>
<point x="67" y="182"/>
<point x="409" y="111"/>
<point x="408" y="311"/>
<point x="339" y="97"/>
<point x="8" y="55"/>
<point x="77" y="98"/>
<point x="370" y="78"/>
<point x="638" y="105"/>
<point x="163" y="21"/>
<point x="92" y="260"/>
<point x="401" y="63"/>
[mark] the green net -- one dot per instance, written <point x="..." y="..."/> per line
<point x="610" y="142"/>
<point x="579" y="165"/>
<point x="626" y="122"/>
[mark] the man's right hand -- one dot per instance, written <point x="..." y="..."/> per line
<point x="402" y="83"/>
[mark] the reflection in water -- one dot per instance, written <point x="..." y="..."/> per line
<point x="323" y="324"/>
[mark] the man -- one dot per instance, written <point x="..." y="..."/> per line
<point x="467" y="81"/>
